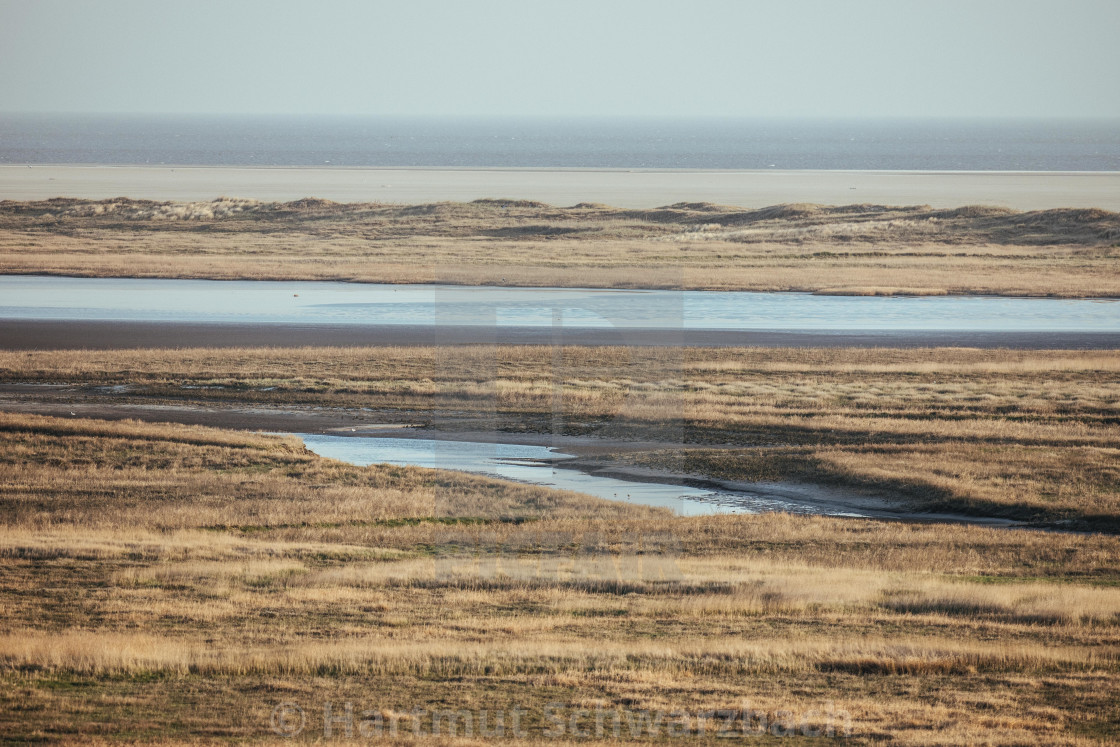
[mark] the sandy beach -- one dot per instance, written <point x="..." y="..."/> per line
<point x="622" y="188"/>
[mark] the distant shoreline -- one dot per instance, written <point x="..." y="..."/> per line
<point x="627" y="188"/>
<point x="562" y="169"/>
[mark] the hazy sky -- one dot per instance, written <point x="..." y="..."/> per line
<point x="564" y="57"/>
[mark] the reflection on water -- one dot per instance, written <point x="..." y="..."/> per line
<point x="308" y="303"/>
<point x="535" y="465"/>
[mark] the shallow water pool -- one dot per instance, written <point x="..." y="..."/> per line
<point x="538" y="465"/>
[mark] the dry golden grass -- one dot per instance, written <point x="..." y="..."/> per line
<point x="187" y="587"/>
<point x="857" y="249"/>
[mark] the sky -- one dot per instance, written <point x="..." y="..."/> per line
<point x="564" y="58"/>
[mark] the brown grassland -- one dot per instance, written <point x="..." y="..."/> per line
<point x="166" y="582"/>
<point x="855" y="249"/>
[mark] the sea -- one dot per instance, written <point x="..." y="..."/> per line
<point x="588" y="143"/>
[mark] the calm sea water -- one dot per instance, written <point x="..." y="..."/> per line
<point x="616" y="143"/>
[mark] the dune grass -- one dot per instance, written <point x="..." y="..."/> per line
<point x="199" y="579"/>
<point x="855" y="249"/>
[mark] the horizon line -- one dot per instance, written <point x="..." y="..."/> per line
<point x="583" y="117"/>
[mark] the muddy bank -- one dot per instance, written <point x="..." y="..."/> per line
<point x="825" y="499"/>
<point x="111" y="335"/>
<point x="66" y="401"/>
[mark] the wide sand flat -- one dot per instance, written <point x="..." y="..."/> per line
<point x="631" y="189"/>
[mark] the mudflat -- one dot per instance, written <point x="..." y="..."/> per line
<point x="636" y="189"/>
<point x="46" y="334"/>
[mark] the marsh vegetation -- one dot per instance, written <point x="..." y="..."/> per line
<point x="173" y="582"/>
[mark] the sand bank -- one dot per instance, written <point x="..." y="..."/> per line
<point x="623" y="188"/>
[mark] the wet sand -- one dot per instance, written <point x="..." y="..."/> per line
<point x="623" y="188"/>
<point x="108" y="335"/>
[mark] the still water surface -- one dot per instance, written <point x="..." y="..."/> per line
<point x="333" y="303"/>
